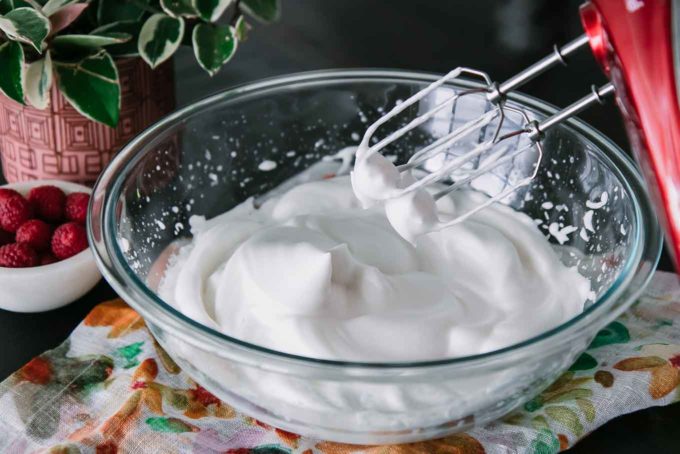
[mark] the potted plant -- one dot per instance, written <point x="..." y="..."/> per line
<point x="79" y="78"/>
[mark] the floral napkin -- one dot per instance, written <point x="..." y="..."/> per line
<point x="110" y="388"/>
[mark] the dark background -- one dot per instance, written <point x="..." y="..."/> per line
<point x="499" y="37"/>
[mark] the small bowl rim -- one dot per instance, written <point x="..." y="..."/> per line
<point x="111" y="262"/>
<point x="81" y="257"/>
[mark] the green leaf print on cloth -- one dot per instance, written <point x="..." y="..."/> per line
<point x="545" y="443"/>
<point x="272" y="449"/>
<point x="129" y="354"/>
<point x="567" y="417"/>
<point x="170" y="425"/>
<point x="44" y="377"/>
<point x="566" y="388"/>
<point x="614" y="333"/>
<point x="584" y="362"/>
<point x="567" y="402"/>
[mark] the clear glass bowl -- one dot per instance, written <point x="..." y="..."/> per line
<point x="205" y="159"/>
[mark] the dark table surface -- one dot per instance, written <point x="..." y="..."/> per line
<point x="500" y="37"/>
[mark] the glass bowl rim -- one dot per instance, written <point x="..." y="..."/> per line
<point x="113" y="265"/>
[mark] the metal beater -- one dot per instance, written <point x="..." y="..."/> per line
<point x="493" y="155"/>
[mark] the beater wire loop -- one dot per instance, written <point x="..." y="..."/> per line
<point x="460" y="166"/>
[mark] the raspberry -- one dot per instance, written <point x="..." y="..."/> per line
<point x="6" y="238"/>
<point x="35" y="233"/>
<point x="68" y="240"/>
<point x="14" y="211"/>
<point x="18" y="255"/>
<point x="6" y="192"/>
<point x="48" y="202"/>
<point x="47" y="259"/>
<point x="76" y="207"/>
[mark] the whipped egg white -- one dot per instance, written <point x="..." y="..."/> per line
<point x="312" y="272"/>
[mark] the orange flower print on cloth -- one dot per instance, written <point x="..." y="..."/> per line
<point x="195" y="402"/>
<point x="112" y="389"/>
<point x="662" y="361"/>
<point x="454" y="444"/>
<point x="288" y="438"/>
<point x="116" y="315"/>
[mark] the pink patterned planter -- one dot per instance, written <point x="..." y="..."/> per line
<point x="59" y="143"/>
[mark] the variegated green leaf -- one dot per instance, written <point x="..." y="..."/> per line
<point x="214" y="45"/>
<point x="38" y="82"/>
<point x="159" y="38"/>
<point x="92" y="87"/>
<point x="262" y="10"/>
<point x="92" y="40"/>
<point x="26" y="25"/>
<point x="241" y="28"/>
<point x="52" y="6"/>
<point x="210" y="10"/>
<point x="177" y="8"/>
<point x="12" y="73"/>
<point x="127" y="49"/>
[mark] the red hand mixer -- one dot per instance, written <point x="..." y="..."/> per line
<point x="637" y="43"/>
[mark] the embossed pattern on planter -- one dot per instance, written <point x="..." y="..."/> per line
<point x="60" y="143"/>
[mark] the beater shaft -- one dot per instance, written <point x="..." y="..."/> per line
<point x="557" y="56"/>
<point x="582" y="104"/>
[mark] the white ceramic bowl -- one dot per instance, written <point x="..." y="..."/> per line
<point x="47" y="287"/>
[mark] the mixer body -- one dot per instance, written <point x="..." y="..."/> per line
<point x="637" y="43"/>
